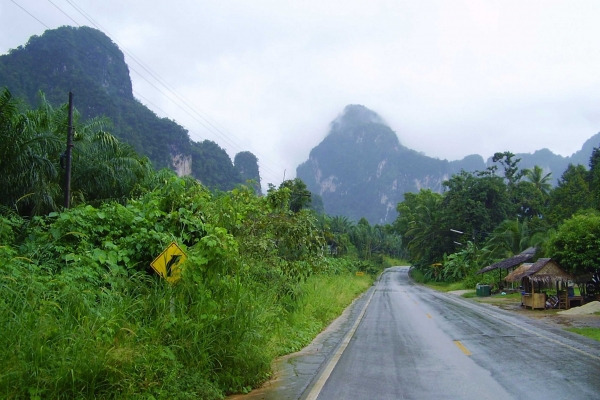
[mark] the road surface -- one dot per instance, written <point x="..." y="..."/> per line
<point x="411" y="342"/>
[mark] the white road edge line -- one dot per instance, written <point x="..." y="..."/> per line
<point x="316" y="390"/>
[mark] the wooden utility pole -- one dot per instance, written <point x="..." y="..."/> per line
<point x="68" y="154"/>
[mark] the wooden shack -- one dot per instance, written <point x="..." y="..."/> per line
<point x="543" y="274"/>
<point x="508" y="263"/>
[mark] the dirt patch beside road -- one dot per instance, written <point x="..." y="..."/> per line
<point x="548" y="316"/>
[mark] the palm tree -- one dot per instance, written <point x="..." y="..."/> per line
<point x="424" y="228"/>
<point x="103" y="167"/>
<point x="340" y="224"/>
<point x="367" y="239"/>
<point x="32" y="143"/>
<point x="509" y="238"/>
<point x="28" y="172"/>
<point x="539" y="180"/>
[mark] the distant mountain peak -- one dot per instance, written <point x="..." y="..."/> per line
<point x="360" y="169"/>
<point x="355" y="115"/>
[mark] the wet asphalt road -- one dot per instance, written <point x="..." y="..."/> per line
<point x="415" y="343"/>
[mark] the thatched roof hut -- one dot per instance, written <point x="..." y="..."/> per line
<point x="510" y="262"/>
<point x="543" y="270"/>
<point x="518" y="273"/>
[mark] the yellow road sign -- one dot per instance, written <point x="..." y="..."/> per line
<point x="360" y="273"/>
<point x="167" y="264"/>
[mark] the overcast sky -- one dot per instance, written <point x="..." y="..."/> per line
<point x="452" y="78"/>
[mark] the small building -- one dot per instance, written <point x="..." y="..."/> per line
<point x="545" y="273"/>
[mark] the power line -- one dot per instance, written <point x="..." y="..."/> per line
<point x="172" y="90"/>
<point x="230" y="142"/>
<point x="264" y="167"/>
<point x="263" y="171"/>
<point x="30" y="14"/>
<point x="160" y="81"/>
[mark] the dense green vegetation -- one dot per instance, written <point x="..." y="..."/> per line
<point x="490" y="215"/>
<point x="84" y="315"/>
<point x="86" y="62"/>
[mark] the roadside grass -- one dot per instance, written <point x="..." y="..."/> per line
<point x="592" y="333"/>
<point x="84" y="316"/>
<point x="499" y="298"/>
<point x="466" y="284"/>
<point x="513" y="296"/>
<point x="67" y="338"/>
<point x="495" y="297"/>
<point x="321" y="300"/>
<point x="516" y="296"/>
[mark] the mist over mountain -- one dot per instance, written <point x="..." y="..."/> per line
<point x="86" y="62"/>
<point x="361" y="169"/>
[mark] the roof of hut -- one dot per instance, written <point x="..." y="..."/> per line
<point x="510" y="262"/>
<point x="518" y="273"/>
<point x="543" y="270"/>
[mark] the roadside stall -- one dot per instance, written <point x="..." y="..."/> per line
<point x="536" y="279"/>
<point x="507" y="264"/>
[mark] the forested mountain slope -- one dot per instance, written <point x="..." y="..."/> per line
<point x="86" y="61"/>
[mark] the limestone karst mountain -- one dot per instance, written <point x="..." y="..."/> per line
<point x="361" y="169"/>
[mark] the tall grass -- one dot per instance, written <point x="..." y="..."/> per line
<point x="144" y="338"/>
<point x="322" y="298"/>
<point x="67" y="336"/>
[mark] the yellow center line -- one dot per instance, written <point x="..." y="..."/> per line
<point x="429" y="316"/>
<point x="462" y="347"/>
